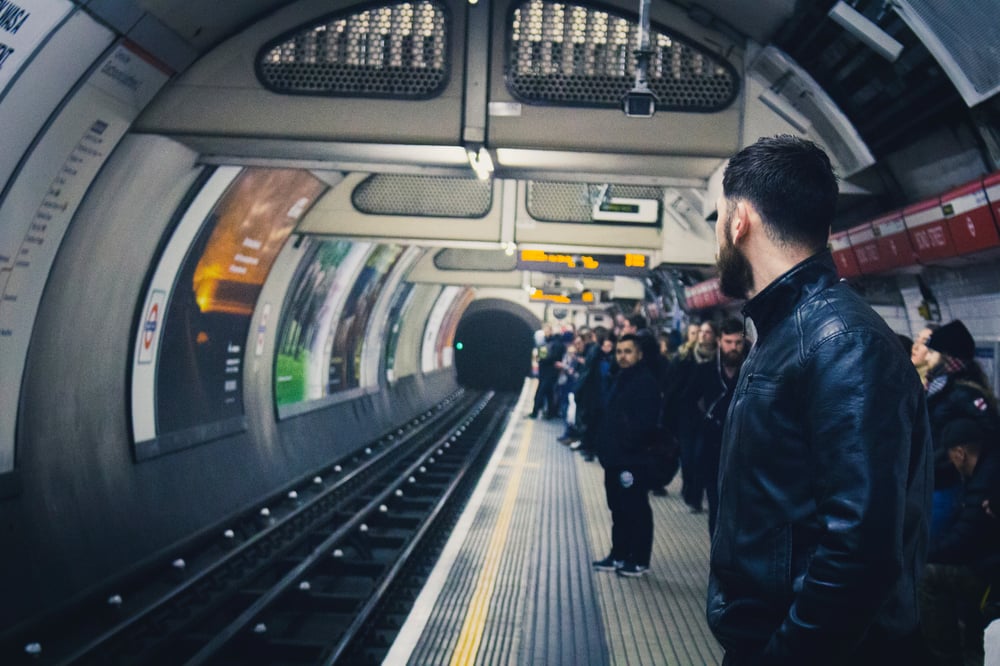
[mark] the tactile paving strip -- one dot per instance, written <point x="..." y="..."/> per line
<point x="521" y="591"/>
<point x="659" y="618"/>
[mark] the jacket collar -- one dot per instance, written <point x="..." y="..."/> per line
<point x="768" y="308"/>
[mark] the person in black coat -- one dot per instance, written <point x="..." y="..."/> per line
<point x="825" y="475"/>
<point x="956" y="388"/>
<point x="963" y="560"/>
<point x="712" y="387"/>
<point x="626" y="429"/>
<point x="550" y="363"/>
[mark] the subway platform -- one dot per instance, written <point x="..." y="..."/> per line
<point x="514" y="584"/>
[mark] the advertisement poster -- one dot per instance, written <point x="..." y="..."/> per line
<point x="199" y="371"/>
<point x="301" y="334"/>
<point x="345" y="357"/>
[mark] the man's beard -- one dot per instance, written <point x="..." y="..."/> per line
<point x="735" y="274"/>
<point x="732" y="359"/>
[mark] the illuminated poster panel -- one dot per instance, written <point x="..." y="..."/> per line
<point x="345" y="357"/>
<point x="302" y="334"/>
<point x="199" y="368"/>
<point x="401" y="302"/>
<point x="444" y="351"/>
<point x="428" y="348"/>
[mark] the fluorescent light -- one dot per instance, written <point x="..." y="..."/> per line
<point x="481" y="162"/>
<point x="867" y="31"/>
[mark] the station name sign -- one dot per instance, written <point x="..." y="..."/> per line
<point x="587" y="264"/>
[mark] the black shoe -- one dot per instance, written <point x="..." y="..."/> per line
<point x="589" y="457"/>
<point x="608" y="564"/>
<point x="695" y="509"/>
<point x="660" y="492"/>
<point x="532" y="415"/>
<point x="632" y="570"/>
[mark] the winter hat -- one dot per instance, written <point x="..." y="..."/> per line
<point x="961" y="431"/>
<point x="954" y="340"/>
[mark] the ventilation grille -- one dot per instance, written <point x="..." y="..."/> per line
<point x="397" y="51"/>
<point x="457" y="259"/>
<point x="574" y="202"/>
<point x="427" y="196"/>
<point x="569" y="54"/>
<point x="962" y="35"/>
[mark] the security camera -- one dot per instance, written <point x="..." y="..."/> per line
<point x="639" y="103"/>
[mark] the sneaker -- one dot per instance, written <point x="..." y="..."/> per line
<point x="632" y="570"/>
<point x="575" y="444"/>
<point x="608" y="564"/>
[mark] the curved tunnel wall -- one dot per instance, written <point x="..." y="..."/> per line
<point x="86" y="510"/>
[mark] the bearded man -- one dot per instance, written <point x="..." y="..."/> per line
<point x="825" y="471"/>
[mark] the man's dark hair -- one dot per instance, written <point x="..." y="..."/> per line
<point x="731" y="325"/>
<point x="637" y="320"/>
<point x="791" y="183"/>
<point x="631" y="337"/>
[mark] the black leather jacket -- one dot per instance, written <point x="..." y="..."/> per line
<point x="825" y="481"/>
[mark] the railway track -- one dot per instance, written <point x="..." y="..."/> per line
<point x="322" y="574"/>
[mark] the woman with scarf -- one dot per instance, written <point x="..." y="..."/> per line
<point x="957" y="388"/>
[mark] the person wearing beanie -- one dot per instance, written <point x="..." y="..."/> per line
<point x="954" y="340"/>
<point x="956" y="388"/>
<point x="963" y="561"/>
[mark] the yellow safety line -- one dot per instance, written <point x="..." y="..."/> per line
<point x="475" y="620"/>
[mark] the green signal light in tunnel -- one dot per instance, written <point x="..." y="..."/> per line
<point x="458" y="346"/>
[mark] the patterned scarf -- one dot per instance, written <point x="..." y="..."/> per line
<point x="937" y="377"/>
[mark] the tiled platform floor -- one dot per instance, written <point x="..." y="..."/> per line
<point x="515" y="586"/>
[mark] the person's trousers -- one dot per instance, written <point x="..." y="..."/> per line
<point x="631" y="516"/>
<point x="693" y="487"/>
<point x="949" y="614"/>
<point x="545" y="394"/>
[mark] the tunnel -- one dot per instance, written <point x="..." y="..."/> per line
<point x="493" y="346"/>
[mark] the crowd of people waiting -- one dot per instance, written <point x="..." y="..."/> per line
<point x="649" y="408"/>
<point x="577" y="369"/>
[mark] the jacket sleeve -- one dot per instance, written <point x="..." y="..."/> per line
<point x="866" y="433"/>
<point x="973" y="537"/>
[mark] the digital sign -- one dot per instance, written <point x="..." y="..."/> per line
<point x="583" y="264"/>
<point x="631" y="211"/>
<point x="586" y="297"/>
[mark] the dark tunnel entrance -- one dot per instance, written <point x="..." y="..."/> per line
<point x="493" y="349"/>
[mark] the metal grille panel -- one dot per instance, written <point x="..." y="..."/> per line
<point x="583" y="56"/>
<point x="398" y="50"/>
<point x="426" y="196"/>
<point x="574" y="202"/>
<point x="962" y="35"/>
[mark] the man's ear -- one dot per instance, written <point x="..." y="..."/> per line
<point x="740" y="225"/>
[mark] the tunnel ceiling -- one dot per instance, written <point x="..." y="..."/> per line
<point x="888" y="103"/>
